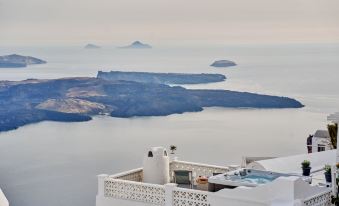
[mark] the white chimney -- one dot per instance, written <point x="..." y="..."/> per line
<point x="156" y="166"/>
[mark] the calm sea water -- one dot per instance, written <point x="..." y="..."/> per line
<point x="55" y="164"/>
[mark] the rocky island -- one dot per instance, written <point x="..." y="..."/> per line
<point x="223" y="63"/>
<point x="92" y="46"/>
<point x="161" y="78"/>
<point x="137" y="45"/>
<point x="15" y="61"/>
<point x="77" y="99"/>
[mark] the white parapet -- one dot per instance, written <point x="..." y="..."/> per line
<point x="286" y="191"/>
<point x="131" y="175"/>
<point x="130" y="193"/>
<point x="129" y="189"/>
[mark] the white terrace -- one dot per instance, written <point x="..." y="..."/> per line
<point x="154" y="185"/>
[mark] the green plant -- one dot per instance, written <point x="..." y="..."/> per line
<point x="333" y="131"/>
<point x="305" y="164"/>
<point x="173" y="148"/>
<point x="327" y="168"/>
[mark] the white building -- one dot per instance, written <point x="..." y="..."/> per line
<point x="180" y="183"/>
<point x="3" y="199"/>
<point x="319" y="142"/>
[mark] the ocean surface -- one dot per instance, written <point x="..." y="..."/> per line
<point x="55" y="164"/>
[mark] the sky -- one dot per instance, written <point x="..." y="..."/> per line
<point x="168" y="21"/>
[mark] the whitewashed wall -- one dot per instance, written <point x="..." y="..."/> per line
<point x="287" y="191"/>
<point x="322" y="141"/>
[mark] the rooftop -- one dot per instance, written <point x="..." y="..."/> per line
<point x="291" y="164"/>
<point x="165" y="182"/>
<point x="322" y="134"/>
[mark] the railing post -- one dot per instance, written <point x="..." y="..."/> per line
<point x="101" y="184"/>
<point x="169" y="193"/>
<point x="298" y="203"/>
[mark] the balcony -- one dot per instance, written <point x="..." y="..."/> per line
<point x="128" y="189"/>
<point x="129" y="185"/>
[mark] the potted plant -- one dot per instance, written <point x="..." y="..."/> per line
<point x="173" y="148"/>
<point x="328" y="174"/>
<point x="305" y="165"/>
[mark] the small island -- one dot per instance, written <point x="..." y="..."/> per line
<point x="92" y="46"/>
<point x="78" y="99"/>
<point x="16" y="61"/>
<point x="223" y="63"/>
<point x="137" y="45"/>
<point x="161" y="78"/>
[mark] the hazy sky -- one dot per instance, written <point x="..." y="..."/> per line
<point x="155" y="21"/>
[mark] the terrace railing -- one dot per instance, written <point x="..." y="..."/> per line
<point x="186" y="197"/>
<point x="322" y="199"/>
<point x="134" y="191"/>
<point x="135" y="175"/>
<point x="129" y="186"/>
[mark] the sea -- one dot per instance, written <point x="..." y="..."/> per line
<point x="56" y="164"/>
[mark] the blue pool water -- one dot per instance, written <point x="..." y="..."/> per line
<point x="257" y="179"/>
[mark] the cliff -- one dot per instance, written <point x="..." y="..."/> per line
<point x="161" y="78"/>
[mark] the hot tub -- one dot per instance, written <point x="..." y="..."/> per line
<point x="244" y="177"/>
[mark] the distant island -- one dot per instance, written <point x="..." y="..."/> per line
<point x="92" y="46"/>
<point x="15" y="61"/>
<point x="77" y="99"/>
<point x="223" y="63"/>
<point x="161" y="78"/>
<point x="137" y="45"/>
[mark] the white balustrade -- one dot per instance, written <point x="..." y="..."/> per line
<point x="134" y="191"/>
<point x="187" y="197"/>
<point x="129" y="186"/>
<point x="131" y="175"/>
<point x="322" y="199"/>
